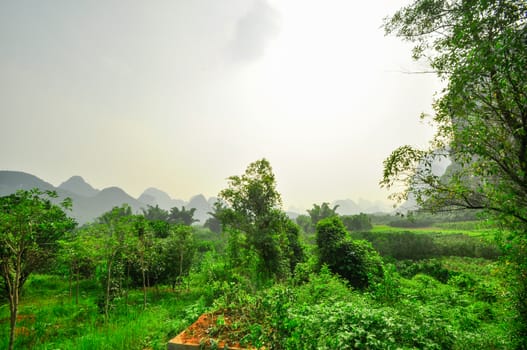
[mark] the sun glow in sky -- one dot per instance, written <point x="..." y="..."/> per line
<point x="179" y="95"/>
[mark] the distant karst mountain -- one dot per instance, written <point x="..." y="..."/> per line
<point x="90" y="203"/>
<point x="152" y="196"/>
<point x="77" y="185"/>
<point x="12" y="181"/>
<point x="202" y="206"/>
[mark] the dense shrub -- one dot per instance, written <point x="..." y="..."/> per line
<point x="355" y="260"/>
<point x="400" y="245"/>
<point x="419" y="246"/>
<point x="360" y="222"/>
<point x="431" y="267"/>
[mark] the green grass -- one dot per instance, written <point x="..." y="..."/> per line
<point x="50" y="318"/>
<point x="469" y="228"/>
<point x="468" y="311"/>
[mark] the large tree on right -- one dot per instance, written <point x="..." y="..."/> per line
<point x="479" y="49"/>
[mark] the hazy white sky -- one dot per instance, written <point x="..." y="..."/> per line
<point x="179" y="95"/>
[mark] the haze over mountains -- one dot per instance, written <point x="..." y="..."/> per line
<point x="89" y="203"/>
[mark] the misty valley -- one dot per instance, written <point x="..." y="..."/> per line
<point x="137" y="278"/>
<point x="417" y="109"/>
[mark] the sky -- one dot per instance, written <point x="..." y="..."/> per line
<point x="180" y="95"/>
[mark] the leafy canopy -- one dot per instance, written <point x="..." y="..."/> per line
<point x="479" y="49"/>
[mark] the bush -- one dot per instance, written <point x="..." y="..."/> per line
<point x="415" y="246"/>
<point x="355" y="260"/>
<point x="431" y="267"/>
<point x="361" y="222"/>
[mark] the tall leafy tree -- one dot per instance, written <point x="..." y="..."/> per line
<point x="158" y="220"/>
<point x="250" y="203"/>
<point x="319" y="212"/>
<point x="214" y="223"/>
<point x="359" y="222"/>
<point x="30" y="227"/>
<point x="304" y="221"/>
<point x="155" y="213"/>
<point x="178" y="251"/>
<point x="182" y="216"/>
<point x="115" y="246"/>
<point x="355" y="260"/>
<point x="479" y="49"/>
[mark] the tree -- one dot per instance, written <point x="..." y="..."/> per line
<point x="250" y="204"/>
<point x="30" y="227"/>
<point x="214" y="223"/>
<point x="158" y="220"/>
<point x="355" y="260"/>
<point x="360" y="222"/>
<point x="319" y="212"/>
<point x="305" y="223"/>
<point x="182" y="216"/>
<point x="155" y="213"/>
<point x="115" y="242"/>
<point x="479" y="48"/>
<point x="77" y="252"/>
<point x="178" y="253"/>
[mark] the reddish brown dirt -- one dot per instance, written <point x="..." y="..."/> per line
<point x="212" y="327"/>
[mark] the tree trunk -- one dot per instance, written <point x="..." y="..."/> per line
<point x="70" y="278"/>
<point x="77" y="288"/>
<point x="107" y="298"/>
<point x="13" y="306"/>
<point x="144" y="288"/>
<point x="13" y="286"/>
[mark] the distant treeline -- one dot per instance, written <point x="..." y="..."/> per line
<point x="421" y="219"/>
<point x="414" y="246"/>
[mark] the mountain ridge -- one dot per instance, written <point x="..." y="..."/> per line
<point x="89" y="203"/>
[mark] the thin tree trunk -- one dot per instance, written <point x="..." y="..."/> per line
<point x="144" y="288"/>
<point x="13" y="298"/>
<point x="13" y="301"/>
<point x="127" y="286"/>
<point x="77" y="289"/>
<point x="70" y="278"/>
<point x="108" y="282"/>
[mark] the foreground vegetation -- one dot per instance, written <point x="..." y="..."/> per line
<point x="447" y="303"/>
<point x="135" y="280"/>
<point x="130" y="281"/>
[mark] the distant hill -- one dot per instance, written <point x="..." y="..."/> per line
<point x="77" y="185"/>
<point x="152" y="196"/>
<point x="350" y="207"/>
<point x="12" y="181"/>
<point x="202" y="206"/>
<point x="90" y="203"/>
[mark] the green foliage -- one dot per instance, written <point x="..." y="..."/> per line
<point x="479" y="49"/>
<point x="182" y="216"/>
<point x="251" y="204"/>
<point x="354" y="260"/>
<point x="49" y="320"/>
<point x="431" y="267"/>
<point x="414" y="246"/>
<point x="319" y="212"/>
<point x="305" y="223"/>
<point x="156" y="213"/>
<point x="30" y="228"/>
<point x="360" y="222"/>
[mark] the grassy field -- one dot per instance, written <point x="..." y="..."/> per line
<point x="470" y="228"/>
<point x="468" y="310"/>
<point x="442" y="289"/>
<point x="50" y="319"/>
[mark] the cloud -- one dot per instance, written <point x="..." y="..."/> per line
<point x="254" y="31"/>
